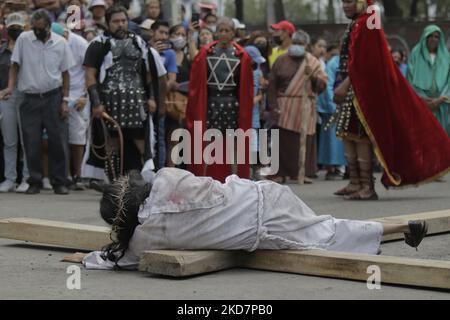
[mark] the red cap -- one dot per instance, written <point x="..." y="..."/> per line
<point x="284" y="25"/>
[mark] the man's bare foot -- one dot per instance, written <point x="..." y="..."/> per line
<point x="75" y="258"/>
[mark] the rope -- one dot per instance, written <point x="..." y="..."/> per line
<point x="107" y="157"/>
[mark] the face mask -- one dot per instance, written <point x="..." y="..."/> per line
<point x="262" y="48"/>
<point x="179" y="43"/>
<point x="41" y="34"/>
<point x="213" y="28"/>
<point x="277" y="40"/>
<point x="296" y="51"/>
<point x="14" y="33"/>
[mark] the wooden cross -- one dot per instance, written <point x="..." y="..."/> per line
<point x="178" y="264"/>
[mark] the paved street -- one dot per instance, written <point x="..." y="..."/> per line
<point x="30" y="271"/>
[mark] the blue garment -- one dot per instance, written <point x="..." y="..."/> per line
<point x="256" y="122"/>
<point x="331" y="149"/>
<point x="404" y="69"/>
<point x="169" y="58"/>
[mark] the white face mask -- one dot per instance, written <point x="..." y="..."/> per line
<point x="212" y="27"/>
<point x="179" y="43"/>
<point x="297" y="51"/>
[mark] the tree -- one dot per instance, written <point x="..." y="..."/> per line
<point x="239" y="9"/>
<point x="279" y="10"/>
<point x="330" y="11"/>
<point x="414" y="9"/>
<point x="392" y="9"/>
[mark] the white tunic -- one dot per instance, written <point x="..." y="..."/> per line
<point x="185" y="212"/>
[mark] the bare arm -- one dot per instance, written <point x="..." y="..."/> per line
<point x="172" y="82"/>
<point x="341" y="92"/>
<point x="192" y="45"/>
<point x="90" y="76"/>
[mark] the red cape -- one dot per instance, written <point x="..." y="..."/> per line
<point x="197" y="108"/>
<point x="409" y="141"/>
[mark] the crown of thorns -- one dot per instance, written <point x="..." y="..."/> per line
<point x="123" y="186"/>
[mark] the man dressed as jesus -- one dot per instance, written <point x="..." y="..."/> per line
<point x="175" y="210"/>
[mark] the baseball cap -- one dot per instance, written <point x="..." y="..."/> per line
<point x="206" y="4"/>
<point x="58" y="29"/>
<point x="147" y="24"/>
<point x="284" y="25"/>
<point x="255" y="54"/>
<point x="97" y="3"/>
<point x="238" y="24"/>
<point x="15" y="19"/>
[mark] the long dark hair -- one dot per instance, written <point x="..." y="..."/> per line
<point x="119" y="208"/>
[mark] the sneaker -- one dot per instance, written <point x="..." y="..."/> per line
<point x="23" y="187"/>
<point x="7" y="186"/>
<point x="46" y="185"/>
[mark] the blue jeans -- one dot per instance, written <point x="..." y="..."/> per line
<point x="11" y="128"/>
<point x="162" y="141"/>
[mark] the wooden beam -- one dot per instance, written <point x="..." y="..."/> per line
<point x="188" y="263"/>
<point x="62" y="234"/>
<point x="394" y="270"/>
<point x="438" y="222"/>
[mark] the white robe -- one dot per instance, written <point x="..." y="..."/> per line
<point x="185" y="212"/>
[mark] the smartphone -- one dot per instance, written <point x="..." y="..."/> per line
<point x="195" y="17"/>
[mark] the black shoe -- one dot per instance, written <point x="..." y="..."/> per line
<point x="78" y="184"/>
<point x="33" y="189"/>
<point x="418" y="231"/>
<point x="61" y="190"/>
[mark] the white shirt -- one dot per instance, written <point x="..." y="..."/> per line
<point x="159" y="63"/>
<point x="433" y="58"/>
<point x="78" y="46"/>
<point x="41" y="64"/>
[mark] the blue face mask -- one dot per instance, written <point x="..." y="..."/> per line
<point x="297" y="51"/>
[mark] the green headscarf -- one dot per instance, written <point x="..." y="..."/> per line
<point x="420" y="67"/>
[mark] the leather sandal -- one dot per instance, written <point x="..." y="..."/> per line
<point x="346" y="191"/>
<point x="418" y="231"/>
<point x="358" y="196"/>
